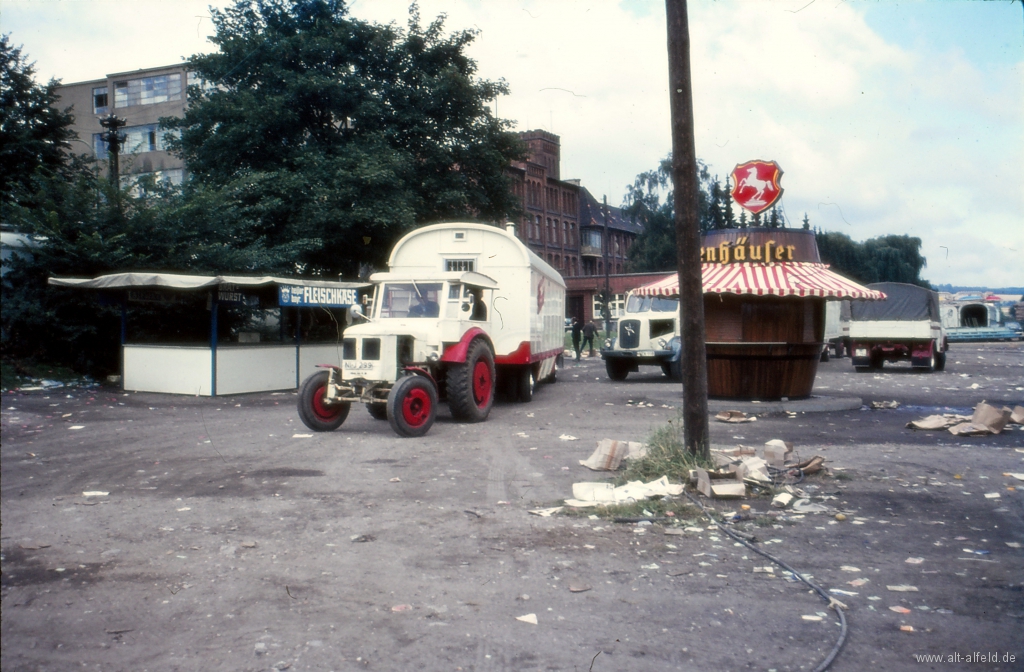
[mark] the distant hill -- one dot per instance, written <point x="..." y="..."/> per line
<point x="990" y="290"/>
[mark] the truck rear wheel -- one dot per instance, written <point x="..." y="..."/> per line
<point x="471" y="385"/>
<point x="313" y="409"/>
<point x="412" y="406"/>
<point x="940" y="361"/>
<point x="616" y="370"/>
<point x="526" y="385"/>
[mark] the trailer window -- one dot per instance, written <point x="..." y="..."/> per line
<point x="411" y="299"/>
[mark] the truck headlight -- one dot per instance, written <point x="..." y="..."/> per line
<point x="607" y="343"/>
<point x="662" y="343"/>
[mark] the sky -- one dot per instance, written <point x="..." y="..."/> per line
<point x="887" y="117"/>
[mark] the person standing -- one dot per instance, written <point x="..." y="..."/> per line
<point x="589" y="331"/>
<point x="577" y="334"/>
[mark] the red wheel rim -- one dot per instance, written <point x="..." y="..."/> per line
<point x="416" y="407"/>
<point x="322" y="410"/>
<point x="481" y="383"/>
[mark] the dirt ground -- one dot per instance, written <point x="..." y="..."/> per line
<point x="231" y="539"/>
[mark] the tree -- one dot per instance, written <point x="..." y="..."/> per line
<point x="34" y="134"/>
<point x="649" y="202"/>
<point x="338" y="135"/>
<point x="884" y="259"/>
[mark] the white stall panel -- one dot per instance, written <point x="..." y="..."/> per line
<point x="311" y="355"/>
<point x="255" y="369"/>
<point x="170" y="369"/>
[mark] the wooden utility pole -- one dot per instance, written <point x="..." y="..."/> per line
<point x="605" y="308"/>
<point x="684" y="180"/>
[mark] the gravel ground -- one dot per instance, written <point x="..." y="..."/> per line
<point x="230" y="539"/>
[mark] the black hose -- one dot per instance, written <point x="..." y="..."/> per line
<point x="825" y="596"/>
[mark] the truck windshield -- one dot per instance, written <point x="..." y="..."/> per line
<point x="410" y="299"/>
<point x="658" y="304"/>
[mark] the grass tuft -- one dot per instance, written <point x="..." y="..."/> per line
<point x="666" y="456"/>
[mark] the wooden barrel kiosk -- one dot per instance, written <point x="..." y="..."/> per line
<point x="764" y="311"/>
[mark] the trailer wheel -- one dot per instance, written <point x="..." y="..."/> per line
<point x="839" y="349"/>
<point x="525" y="385"/>
<point x="824" y="354"/>
<point x="616" y="370"/>
<point x="940" y="361"/>
<point x="471" y="385"/>
<point x="412" y="406"/>
<point x="378" y="410"/>
<point x="314" y="411"/>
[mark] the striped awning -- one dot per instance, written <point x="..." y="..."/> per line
<point x="785" y="279"/>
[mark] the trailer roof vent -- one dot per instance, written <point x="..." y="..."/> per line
<point x="460" y="235"/>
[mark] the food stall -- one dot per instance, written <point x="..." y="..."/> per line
<point x="764" y="310"/>
<point x="240" y="364"/>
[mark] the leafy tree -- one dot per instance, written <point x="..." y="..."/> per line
<point x="34" y="134"/>
<point x="884" y="259"/>
<point x="649" y="202"/>
<point x="336" y="135"/>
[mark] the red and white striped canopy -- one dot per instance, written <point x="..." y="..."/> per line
<point x="787" y="279"/>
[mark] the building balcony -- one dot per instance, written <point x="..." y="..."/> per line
<point x="591" y="251"/>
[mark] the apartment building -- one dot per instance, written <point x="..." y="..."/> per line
<point x="141" y="98"/>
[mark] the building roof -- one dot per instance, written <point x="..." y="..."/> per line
<point x="592" y="214"/>
<point x="786" y="279"/>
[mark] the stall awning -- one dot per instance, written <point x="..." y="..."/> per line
<point x="787" y="279"/>
<point x="178" y="281"/>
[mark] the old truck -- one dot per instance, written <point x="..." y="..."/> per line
<point x="646" y="335"/>
<point x="464" y="310"/>
<point x="906" y="325"/>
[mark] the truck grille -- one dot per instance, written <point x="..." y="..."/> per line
<point x="629" y="333"/>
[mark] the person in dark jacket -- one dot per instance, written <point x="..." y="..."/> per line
<point x="577" y="334"/>
<point x="589" y="331"/>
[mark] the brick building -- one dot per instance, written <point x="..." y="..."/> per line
<point x="564" y="224"/>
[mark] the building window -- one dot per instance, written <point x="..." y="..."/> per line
<point x="148" y="90"/>
<point x="137" y="139"/>
<point x="99" y="100"/>
<point x="458" y="264"/>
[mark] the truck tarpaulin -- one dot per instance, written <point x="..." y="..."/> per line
<point x="902" y="303"/>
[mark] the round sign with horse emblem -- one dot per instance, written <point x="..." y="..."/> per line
<point x="755" y="185"/>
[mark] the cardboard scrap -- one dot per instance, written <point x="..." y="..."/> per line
<point x="719" y="487"/>
<point x="610" y="453"/>
<point x="885" y="404"/>
<point x="601" y="494"/>
<point x="735" y="416"/>
<point x="776" y="452"/>
<point x="545" y="512"/>
<point x="1017" y="415"/>
<point x="782" y="500"/>
<point x="528" y="618"/>
<point x="986" y="419"/>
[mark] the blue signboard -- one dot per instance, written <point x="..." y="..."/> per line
<point x="333" y="297"/>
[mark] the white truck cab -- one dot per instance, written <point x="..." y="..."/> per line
<point x="465" y="310"/>
<point x="647" y="334"/>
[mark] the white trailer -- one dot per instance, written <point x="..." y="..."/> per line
<point x="465" y="310"/>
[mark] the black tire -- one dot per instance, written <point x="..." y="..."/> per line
<point x="315" y="414"/>
<point x="471" y="385"/>
<point x="616" y="370"/>
<point x="824" y="354"/>
<point x="378" y="410"/>
<point x="840" y="350"/>
<point x="940" y="361"/>
<point x="666" y="368"/>
<point x="412" y="406"/>
<point x="676" y="369"/>
<point x="877" y="362"/>
<point x="525" y="385"/>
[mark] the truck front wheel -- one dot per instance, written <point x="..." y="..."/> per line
<point x="314" y="411"/>
<point x="471" y="385"/>
<point x="616" y="370"/>
<point x="412" y="406"/>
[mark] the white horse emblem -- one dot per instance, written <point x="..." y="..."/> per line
<point x="756" y="183"/>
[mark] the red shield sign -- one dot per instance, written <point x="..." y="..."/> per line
<point x="755" y="185"/>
